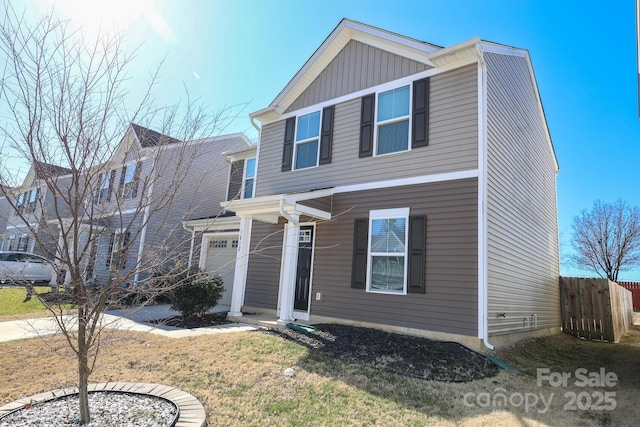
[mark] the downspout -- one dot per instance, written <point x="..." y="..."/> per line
<point x="253" y="123"/>
<point x="145" y="219"/>
<point x="193" y="238"/>
<point x="285" y="215"/>
<point x="483" y="297"/>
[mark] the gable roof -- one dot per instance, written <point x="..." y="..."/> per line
<point x="43" y="170"/>
<point x="151" y="138"/>
<point x="346" y="31"/>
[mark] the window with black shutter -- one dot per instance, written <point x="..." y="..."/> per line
<point x="360" y="248"/>
<point x="287" y="149"/>
<point x="417" y="250"/>
<point x="420" y="125"/>
<point x="326" y="135"/>
<point x="389" y="252"/>
<point x="367" y="115"/>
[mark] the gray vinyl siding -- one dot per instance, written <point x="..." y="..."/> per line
<point x="127" y="223"/>
<point x="5" y="208"/>
<point x="453" y="142"/>
<point x="263" y="272"/>
<point x="191" y="181"/>
<point x="357" y="67"/>
<point x="450" y="302"/>
<point x="522" y="229"/>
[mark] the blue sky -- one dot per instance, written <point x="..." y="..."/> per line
<point x="239" y="51"/>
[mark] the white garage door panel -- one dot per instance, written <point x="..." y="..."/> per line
<point x="221" y="259"/>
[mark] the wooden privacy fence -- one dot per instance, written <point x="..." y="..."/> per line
<point x="595" y="309"/>
<point x="634" y="287"/>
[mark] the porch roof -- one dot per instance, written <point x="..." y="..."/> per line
<point x="270" y="208"/>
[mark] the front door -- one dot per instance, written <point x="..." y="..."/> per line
<point x="303" y="275"/>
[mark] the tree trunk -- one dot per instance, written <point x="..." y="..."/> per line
<point x="83" y="369"/>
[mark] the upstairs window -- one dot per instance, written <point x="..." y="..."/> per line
<point x="104" y="191"/>
<point x="248" y="179"/>
<point x="21" y="202"/>
<point x="308" y="140"/>
<point x="129" y="180"/>
<point x="393" y="121"/>
<point x="307" y="137"/>
<point x="390" y="119"/>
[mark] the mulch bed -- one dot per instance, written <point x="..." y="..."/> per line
<point x="208" y="319"/>
<point x="405" y="355"/>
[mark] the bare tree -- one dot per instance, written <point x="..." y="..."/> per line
<point x="607" y="238"/>
<point x="66" y="109"/>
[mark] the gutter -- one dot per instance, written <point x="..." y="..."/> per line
<point x="483" y="297"/>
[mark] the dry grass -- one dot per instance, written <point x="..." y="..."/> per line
<point x="238" y="377"/>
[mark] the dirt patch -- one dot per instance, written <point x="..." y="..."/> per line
<point x="405" y="355"/>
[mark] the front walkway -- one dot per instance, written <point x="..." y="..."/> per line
<point x="126" y="320"/>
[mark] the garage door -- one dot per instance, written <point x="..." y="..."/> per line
<point x="221" y="259"/>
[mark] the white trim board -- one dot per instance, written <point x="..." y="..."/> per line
<point x="423" y="179"/>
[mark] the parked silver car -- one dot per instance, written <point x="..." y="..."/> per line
<point x="24" y="267"/>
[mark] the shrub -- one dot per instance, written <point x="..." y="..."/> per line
<point x="192" y="292"/>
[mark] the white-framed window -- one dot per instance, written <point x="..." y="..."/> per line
<point x="118" y="250"/>
<point x="393" y="120"/>
<point x="29" y="200"/>
<point x="248" y="178"/>
<point x="307" y="141"/>
<point x="21" y="202"/>
<point x="387" y="252"/>
<point x="217" y="244"/>
<point x="105" y="183"/>
<point x="130" y="181"/>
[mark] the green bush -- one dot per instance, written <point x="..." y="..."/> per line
<point x="191" y="291"/>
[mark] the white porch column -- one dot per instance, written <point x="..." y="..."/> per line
<point x="288" y="269"/>
<point x="242" y="261"/>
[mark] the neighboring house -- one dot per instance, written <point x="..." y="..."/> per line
<point x="144" y="192"/>
<point x="5" y="208"/>
<point x="404" y="186"/>
<point x="30" y="210"/>
<point x="215" y="238"/>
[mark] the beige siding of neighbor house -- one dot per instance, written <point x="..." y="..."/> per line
<point x="449" y="304"/>
<point x="358" y="66"/>
<point x="522" y="229"/>
<point x="453" y="141"/>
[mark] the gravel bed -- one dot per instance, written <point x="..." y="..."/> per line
<point x="108" y="409"/>
<point x="405" y="355"/>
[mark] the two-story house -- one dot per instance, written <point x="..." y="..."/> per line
<point x="31" y="209"/>
<point x="142" y="194"/>
<point x="405" y="186"/>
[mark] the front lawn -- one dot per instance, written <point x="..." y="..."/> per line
<point x="14" y="303"/>
<point x="239" y="379"/>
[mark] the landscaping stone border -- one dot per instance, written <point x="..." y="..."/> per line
<point x="192" y="413"/>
